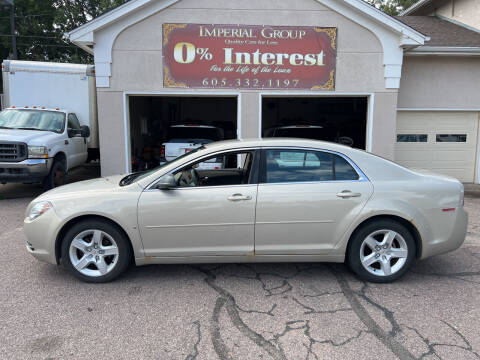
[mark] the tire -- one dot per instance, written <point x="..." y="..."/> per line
<point x="368" y="258"/>
<point x="87" y="262"/>
<point x="56" y="177"/>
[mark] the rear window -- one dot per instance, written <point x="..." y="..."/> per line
<point x="193" y="133"/>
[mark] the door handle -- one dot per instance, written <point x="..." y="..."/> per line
<point x="345" y="194"/>
<point x="239" y="197"/>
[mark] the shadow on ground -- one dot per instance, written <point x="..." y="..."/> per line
<point x="17" y="191"/>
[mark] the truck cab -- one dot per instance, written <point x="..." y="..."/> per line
<point x="40" y="145"/>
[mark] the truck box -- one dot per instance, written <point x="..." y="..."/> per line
<point x="54" y="85"/>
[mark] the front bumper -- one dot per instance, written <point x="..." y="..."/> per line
<point x="41" y="234"/>
<point x="30" y="170"/>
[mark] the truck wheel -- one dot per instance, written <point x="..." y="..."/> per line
<point x="56" y="176"/>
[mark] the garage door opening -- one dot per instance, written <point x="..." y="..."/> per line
<point x="164" y="127"/>
<point x="336" y="119"/>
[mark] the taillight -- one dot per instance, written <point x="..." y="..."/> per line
<point x="162" y="151"/>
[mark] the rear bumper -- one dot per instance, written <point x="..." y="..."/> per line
<point x="451" y="242"/>
<point x="30" y="170"/>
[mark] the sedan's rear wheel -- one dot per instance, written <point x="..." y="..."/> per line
<point x="381" y="251"/>
<point x="95" y="251"/>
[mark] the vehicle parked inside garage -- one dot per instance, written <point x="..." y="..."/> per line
<point x="185" y="138"/>
<point x="164" y="127"/>
<point x="40" y="145"/>
<point x="341" y="205"/>
<point x="342" y="120"/>
<point x="324" y="133"/>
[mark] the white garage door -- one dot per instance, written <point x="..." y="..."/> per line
<point x="443" y="142"/>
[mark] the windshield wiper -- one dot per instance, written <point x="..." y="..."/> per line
<point x="127" y="180"/>
<point x="30" y="128"/>
<point x="4" y="127"/>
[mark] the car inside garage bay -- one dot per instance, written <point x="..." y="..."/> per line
<point x="158" y="120"/>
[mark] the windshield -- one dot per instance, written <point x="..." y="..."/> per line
<point x="134" y="177"/>
<point x="32" y="120"/>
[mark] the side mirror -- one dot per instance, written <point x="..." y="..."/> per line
<point x="85" y="131"/>
<point x="166" y="182"/>
<point x="72" y="133"/>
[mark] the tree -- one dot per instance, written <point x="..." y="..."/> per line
<point x="41" y="24"/>
<point x="392" y="7"/>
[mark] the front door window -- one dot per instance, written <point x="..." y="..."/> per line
<point x="231" y="168"/>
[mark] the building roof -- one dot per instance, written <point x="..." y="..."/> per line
<point x="83" y="34"/>
<point x="442" y="32"/>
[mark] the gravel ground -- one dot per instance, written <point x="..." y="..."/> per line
<point x="265" y="311"/>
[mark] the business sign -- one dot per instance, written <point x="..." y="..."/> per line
<point x="249" y="57"/>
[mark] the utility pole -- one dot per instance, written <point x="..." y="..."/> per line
<point x="12" y="28"/>
<point x="13" y="35"/>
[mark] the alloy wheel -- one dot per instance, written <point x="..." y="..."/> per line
<point x="93" y="253"/>
<point x="383" y="252"/>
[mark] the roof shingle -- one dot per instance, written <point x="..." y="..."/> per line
<point x="442" y="32"/>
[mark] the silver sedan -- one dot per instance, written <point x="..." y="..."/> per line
<point x="272" y="200"/>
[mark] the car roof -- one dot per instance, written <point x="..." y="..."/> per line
<point x="300" y="127"/>
<point x="281" y="141"/>
<point x="194" y="126"/>
<point x="38" y="108"/>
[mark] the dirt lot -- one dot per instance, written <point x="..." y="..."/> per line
<point x="268" y="311"/>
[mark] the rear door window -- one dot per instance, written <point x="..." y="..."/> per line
<point x="287" y="166"/>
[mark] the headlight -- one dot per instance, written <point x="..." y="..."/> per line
<point x="39" y="209"/>
<point x="37" y="152"/>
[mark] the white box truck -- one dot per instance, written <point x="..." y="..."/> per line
<point x="49" y="121"/>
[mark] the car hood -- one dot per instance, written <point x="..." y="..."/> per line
<point x="27" y="136"/>
<point x="82" y="188"/>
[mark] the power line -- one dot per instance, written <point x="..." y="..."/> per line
<point x="48" y="45"/>
<point x="26" y="16"/>
<point x="32" y="36"/>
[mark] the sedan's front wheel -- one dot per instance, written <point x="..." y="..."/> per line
<point x="381" y="251"/>
<point x="95" y="251"/>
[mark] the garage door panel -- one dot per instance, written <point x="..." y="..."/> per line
<point x="407" y="155"/>
<point x="463" y="156"/>
<point x="451" y="156"/>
